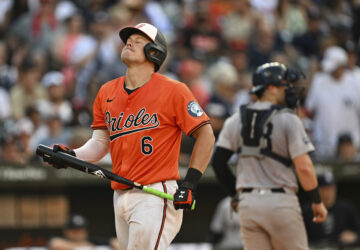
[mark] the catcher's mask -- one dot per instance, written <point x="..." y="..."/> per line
<point x="278" y="74"/>
<point x="155" y="51"/>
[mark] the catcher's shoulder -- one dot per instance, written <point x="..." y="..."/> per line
<point x="287" y="113"/>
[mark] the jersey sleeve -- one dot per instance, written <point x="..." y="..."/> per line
<point x="229" y="136"/>
<point x="299" y="142"/>
<point x="98" y="114"/>
<point x="188" y="113"/>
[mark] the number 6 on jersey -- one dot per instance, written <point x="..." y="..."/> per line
<point x="146" y="147"/>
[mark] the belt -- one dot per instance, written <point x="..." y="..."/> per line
<point x="273" y="190"/>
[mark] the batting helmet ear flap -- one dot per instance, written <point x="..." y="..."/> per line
<point x="156" y="54"/>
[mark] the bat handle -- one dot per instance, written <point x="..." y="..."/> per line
<point x="162" y="194"/>
<point x="158" y="193"/>
<point x="193" y="205"/>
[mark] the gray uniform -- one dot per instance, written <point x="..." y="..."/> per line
<point x="273" y="219"/>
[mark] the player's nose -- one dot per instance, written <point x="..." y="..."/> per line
<point x="130" y="42"/>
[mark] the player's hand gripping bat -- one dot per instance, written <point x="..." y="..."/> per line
<point x="73" y="162"/>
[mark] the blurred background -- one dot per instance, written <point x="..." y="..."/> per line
<point x="55" y="55"/>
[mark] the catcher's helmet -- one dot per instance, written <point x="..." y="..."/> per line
<point x="157" y="50"/>
<point x="273" y="73"/>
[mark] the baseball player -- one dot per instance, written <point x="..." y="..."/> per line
<point x="273" y="151"/>
<point x="140" y="118"/>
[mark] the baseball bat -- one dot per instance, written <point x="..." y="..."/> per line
<point x="73" y="162"/>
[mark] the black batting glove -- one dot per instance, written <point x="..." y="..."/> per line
<point x="184" y="197"/>
<point x="56" y="162"/>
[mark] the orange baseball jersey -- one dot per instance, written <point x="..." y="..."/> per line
<point x="145" y="127"/>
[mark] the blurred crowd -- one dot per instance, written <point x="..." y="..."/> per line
<point x="55" y="55"/>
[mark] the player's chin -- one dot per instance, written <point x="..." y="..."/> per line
<point x="126" y="54"/>
<point x="126" y="58"/>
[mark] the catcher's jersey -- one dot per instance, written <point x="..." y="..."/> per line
<point x="288" y="139"/>
<point x="145" y="127"/>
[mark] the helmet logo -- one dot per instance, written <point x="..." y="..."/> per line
<point x="140" y="25"/>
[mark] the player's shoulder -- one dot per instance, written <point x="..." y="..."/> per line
<point x="167" y="82"/>
<point x="286" y="114"/>
<point x="233" y="121"/>
<point x="112" y="84"/>
<point x="285" y="111"/>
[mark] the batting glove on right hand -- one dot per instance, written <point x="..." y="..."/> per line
<point x="184" y="197"/>
<point x="56" y="162"/>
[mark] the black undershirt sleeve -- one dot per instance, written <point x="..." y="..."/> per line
<point x="222" y="169"/>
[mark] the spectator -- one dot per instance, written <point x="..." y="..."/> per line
<point x="38" y="28"/>
<point x="75" y="235"/>
<point x="224" y="79"/>
<point x="27" y="90"/>
<point x="291" y="19"/>
<point x="108" y="43"/>
<point x="237" y="27"/>
<point x="346" y="150"/>
<point x="5" y="107"/>
<point x="261" y="46"/>
<point x="217" y="112"/>
<point x="201" y="40"/>
<point x="25" y="130"/>
<point x="266" y="9"/>
<point x="9" y="146"/>
<point x="56" y="132"/>
<point x="342" y="226"/>
<point x="5" y="7"/>
<point x="225" y="227"/>
<point x="191" y="71"/>
<point x="56" y="104"/>
<point x="353" y="68"/>
<point x="333" y="104"/>
<point x="8" y="74"/>
<point x="73" y="48"/>
<point x="40" y="130"/>
<point x="308" y="43"/>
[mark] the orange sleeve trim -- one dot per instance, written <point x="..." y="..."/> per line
<point x="191" y="132"/>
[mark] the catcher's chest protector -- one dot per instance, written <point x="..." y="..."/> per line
<point x="256" y="131"/>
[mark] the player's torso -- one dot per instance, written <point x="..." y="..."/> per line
<point x="265" y="171"/>
<point x="144" y="136"/>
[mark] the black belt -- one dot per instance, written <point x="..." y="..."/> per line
<point x="273" y="190"/>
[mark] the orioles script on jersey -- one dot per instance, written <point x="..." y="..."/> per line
<point x="133" y="123"/>
<point x="145" y="127"/>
